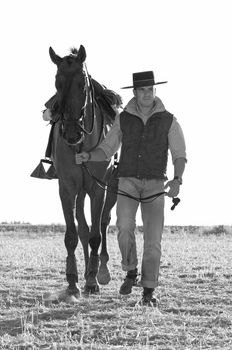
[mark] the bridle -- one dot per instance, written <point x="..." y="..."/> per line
<point x="88" y="110"/>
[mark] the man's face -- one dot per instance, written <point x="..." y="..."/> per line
<point x="145" y="96"/>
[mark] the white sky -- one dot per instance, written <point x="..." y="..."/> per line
<point x="185" y="42"/>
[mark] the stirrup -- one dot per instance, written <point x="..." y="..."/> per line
<point x="40" y="173"/>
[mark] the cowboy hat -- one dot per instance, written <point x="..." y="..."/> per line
<point x="143" y="79"/>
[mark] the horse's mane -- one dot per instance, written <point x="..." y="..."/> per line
<point x="74" y="51"/>
<point x="106" y="99"/>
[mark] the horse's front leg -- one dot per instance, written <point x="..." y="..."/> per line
<point x="71" y="238"/>
<point x="96" y="201"/>
<point x="111" y="198"/>
<point x="83" y="228"/>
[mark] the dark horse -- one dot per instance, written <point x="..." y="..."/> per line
<point x="81" y="125"/>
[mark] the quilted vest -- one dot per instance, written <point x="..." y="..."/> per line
<point x="144" y="151"/>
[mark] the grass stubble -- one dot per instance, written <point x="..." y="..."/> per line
<point x="195" y="307"/>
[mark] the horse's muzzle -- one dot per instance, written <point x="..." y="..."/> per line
<point x="72" y="136"/>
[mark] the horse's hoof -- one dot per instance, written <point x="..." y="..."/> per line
<point x="71" y="299"/>
<point x="91" y="289"/>
<point x="73" y="291"/>
<point x="103" y="275"/>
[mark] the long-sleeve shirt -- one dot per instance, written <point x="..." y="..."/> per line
<point x="112" y="143"/>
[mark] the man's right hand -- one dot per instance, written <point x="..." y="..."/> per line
<point x="82" y="157"/>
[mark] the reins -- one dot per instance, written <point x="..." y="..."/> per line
<point x="117" y="191"/>
<point x="90" y="99"/>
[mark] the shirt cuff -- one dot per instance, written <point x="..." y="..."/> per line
<point x="179" y="155"/>
<point x="107" y="150"/>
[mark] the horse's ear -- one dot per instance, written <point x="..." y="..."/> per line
<point x="54" y="57"/>
<point x="81" y="54"/>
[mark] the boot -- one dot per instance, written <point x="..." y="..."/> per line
<point x="129" y="282"/>
<point x="147" y="298"/>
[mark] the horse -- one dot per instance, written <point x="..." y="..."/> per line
<point x="85" y="114"/>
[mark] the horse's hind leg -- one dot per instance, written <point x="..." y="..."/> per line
<point x="70" y="240"/>
<point x="83" y="228"/>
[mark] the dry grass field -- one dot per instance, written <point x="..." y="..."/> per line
<point x="195" y="292"/>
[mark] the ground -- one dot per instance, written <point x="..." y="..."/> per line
<point x="194" y="295"/>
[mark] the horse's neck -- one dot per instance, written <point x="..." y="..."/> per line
<point x="98" y="134"/>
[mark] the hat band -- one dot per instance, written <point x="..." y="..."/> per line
<point x="145" y="82"/>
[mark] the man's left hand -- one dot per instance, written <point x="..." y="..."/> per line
<point x="174" y="188"/>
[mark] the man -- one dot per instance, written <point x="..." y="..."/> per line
<point x="145" y="131"/>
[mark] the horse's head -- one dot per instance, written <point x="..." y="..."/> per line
<point x="71" y="92"/>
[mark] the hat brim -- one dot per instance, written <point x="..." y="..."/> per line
<point x="131" y="87"/>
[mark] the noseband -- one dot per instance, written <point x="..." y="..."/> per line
<point x="87" y="111"/>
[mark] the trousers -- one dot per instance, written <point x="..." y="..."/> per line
<point x="152" y="214"/>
